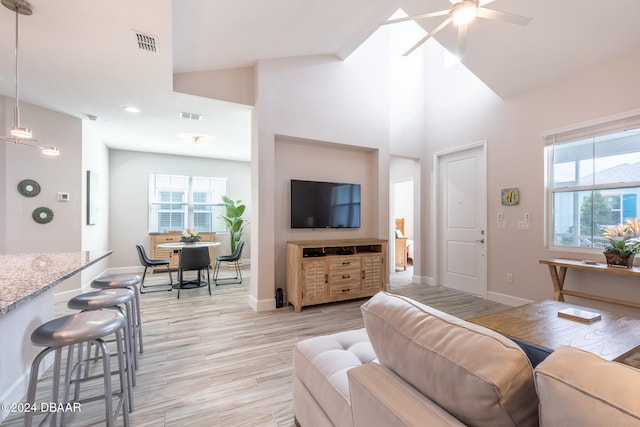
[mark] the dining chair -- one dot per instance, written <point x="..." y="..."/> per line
<point x="234" y="257"/>
<point x="193" y="259"/>
<point x="149" y="262"/>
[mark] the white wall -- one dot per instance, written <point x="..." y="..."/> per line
<point x="95" y="157"/>
<point x="129" y="197"/>
<point x="54" y="174"/>
<point x="462" y="110"/>
<point x="316" y="99"/>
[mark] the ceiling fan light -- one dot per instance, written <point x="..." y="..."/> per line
<point x="50" y="150"/>
<point x="21" y="133"/>
<point x="464" y="12"/>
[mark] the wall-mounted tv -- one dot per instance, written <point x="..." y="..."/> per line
<point x="316" y="204"/>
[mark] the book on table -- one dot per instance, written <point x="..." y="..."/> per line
<point x="579" y="315"/>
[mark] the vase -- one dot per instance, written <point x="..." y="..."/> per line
<point x="617" y="260"/>
<point x="190" y="240"/>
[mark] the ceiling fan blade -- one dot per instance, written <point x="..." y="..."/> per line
<point x="484" y="2"/>
<point x="416" y="17"/>
<point x="462" y="40"/>
<point x="428" y="36"/>
<point x="502" y="16"/>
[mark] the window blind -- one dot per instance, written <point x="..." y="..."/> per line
<point x="593" y="130"/>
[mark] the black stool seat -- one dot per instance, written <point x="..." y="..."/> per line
<point x="77" y="328"/>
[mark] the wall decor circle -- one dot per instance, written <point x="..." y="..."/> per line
<point x="42" y="215"/>
<point x="29" y="188"/>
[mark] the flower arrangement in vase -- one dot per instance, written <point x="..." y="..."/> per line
<point x="622" y="243"/>
<point x="190" y="235"/>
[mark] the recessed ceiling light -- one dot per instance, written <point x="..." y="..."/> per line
<point x="131" y="109"/>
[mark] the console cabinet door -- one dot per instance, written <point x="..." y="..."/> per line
<point x="314" y="281"/>
<point x="164" y="253"/>
<point x="372" y="273"/>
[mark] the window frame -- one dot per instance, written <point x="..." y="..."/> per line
<point x="191" y="208"/>
<point x="606" y="126"/>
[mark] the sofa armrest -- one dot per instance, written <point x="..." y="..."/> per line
<point x="381" y="398"/>
<point x="579" y="388"/>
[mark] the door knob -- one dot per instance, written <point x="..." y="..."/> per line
<point x="480" y="241"/>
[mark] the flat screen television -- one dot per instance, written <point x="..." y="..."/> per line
<point x="316" y="204"/>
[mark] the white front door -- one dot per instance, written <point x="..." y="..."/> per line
<point x="461" y="219"/>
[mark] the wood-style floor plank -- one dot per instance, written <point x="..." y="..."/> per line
<point x="213" y="361"/>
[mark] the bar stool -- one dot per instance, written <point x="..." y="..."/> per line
<point x="111" y="299"/>
<point x="130" y="281"/>
<point x="67" y="331"/>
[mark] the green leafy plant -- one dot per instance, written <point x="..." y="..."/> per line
<point x="623" y="239"/>
<point x="233" y="218"/>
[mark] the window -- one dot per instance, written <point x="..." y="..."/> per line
<point x="593" y="181"/>
<point x="177" y="202"/>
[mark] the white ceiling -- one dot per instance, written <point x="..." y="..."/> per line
<point x="79" y="57"/>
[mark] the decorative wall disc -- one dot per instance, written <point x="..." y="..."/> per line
<point x="42" y="215"/>
<point x="29" y="188"/>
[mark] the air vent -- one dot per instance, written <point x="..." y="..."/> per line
<point x="192" y="116"/>
<point x="146" y="42"/>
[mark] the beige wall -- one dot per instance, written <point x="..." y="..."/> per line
<point x="129" y="196"/>
<point x="462" y="110"/>
<point x="315" y="99"/>
<point x="54" y="174"/>
<point x="317" y="161"/>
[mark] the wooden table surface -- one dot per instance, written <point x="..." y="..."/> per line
<point x="558" y="269"/>
<point x="612" y="338"/>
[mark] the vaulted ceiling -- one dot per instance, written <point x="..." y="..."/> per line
<point x="80" y="57"/>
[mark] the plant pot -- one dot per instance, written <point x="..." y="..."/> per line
<point x="232" y="265"/>
<point x="616" y="259"/>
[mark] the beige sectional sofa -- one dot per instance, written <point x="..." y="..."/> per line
<point x="413" y="365"/>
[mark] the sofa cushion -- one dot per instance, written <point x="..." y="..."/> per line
<point x="477" y="375"/>
<point x="580" y="388"/>
<point x="320" y="365"/>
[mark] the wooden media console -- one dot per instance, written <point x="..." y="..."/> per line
<point x="322" y="271"/>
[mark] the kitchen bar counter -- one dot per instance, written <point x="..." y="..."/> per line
<point x="27" y="283"/>
<point x="25" y="276"/>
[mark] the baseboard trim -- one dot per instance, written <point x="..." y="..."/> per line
<point x="507" y="299"/>
<point x="423" y="280"/>
<point x="262" y="305"/>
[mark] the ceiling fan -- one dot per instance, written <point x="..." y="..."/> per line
<point x="462" y="14"/>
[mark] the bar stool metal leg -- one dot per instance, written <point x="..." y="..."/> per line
<point x="72" y="330"/>
<point x="131" y="281"/>
<point x="120" y="299"/>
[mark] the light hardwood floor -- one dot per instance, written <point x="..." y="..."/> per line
<point x="213" y="361"/>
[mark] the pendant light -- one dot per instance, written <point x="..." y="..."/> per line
<point x="22" y="135"/>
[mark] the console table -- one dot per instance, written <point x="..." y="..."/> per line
<point x="558" y="270"/>
<point x="322" y="271"/>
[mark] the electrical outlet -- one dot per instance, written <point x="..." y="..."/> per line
<point x="509" y="278"/>
<point x="527" y="217"/>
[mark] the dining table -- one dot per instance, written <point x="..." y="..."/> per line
<point x="178" y="246"/>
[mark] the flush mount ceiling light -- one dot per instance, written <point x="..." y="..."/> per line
<point x="22" y="135"/>
<point x="131" y="109"/>
<point x="461" y="14"/>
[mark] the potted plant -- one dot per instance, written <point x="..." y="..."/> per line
<point x="622" y="243"/>
<point x="233" y="218"/>
<point x="190" y="235"/>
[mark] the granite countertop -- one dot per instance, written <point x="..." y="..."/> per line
<point x="25" y="276"/>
